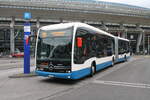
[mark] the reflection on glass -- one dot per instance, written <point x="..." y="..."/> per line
<point x="55" y="44"/>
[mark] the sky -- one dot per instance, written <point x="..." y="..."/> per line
<point x="141" y="3"/>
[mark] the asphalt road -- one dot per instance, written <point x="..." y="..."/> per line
<point x="124" y="81"/>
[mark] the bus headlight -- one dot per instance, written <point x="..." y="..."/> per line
<point x="69" y="77"/>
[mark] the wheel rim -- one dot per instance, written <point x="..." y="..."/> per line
<point x="112" y="63"/>
<point x="92" y="70"/>
<point x="125" y="58"/>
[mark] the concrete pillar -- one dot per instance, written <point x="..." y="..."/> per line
<point x="61" y="20"/>
<point x="83" y="21"/>
<point x="38" y="23"/>
<point x="104" y="27"/>
<point x="124" y="31"/>
<point x="148" y="44"/>
<point x="139" y="39"/>
<point x="123" y="34"/>
<point x="143" y="42"/>
<point x="12" y="38"/>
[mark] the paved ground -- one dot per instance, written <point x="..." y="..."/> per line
<point x="124" y="81"/>
<point x="129" y="81"/>
<point x="9" y="63"/>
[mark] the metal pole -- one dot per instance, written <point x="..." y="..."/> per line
<point x="126" y="33"/>
<point x="27" y="32"/>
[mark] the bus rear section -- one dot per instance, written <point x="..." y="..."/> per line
<point x="123" y="52"/>
<point x="53" y="51"/>
<point x="94" y="50"/>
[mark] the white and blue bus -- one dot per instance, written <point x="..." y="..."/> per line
<point x="75" y="50"/>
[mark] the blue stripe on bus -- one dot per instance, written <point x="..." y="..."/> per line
<point x="80" y="73"/>
<point x="122" y="59"/>
<point x="103" y="65"/>
<point x="75" y="74"/>
<point x="84" y="72"/>
<point x="128" y="57"/>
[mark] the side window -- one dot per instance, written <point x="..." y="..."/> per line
<point x="123" y="47"/>
<point x="109" y="47"/>
<point x="88" y="48"/>
<point x="105" y="49"/>
<point x="120" y="49"/>
<point x="113" y="45"/>
<point x="92" y="45"/>
<point x="100" y="46"/>
<point x="81" y="45"/>
<point x="127" y="47"/>
<point x="105" y="46"/>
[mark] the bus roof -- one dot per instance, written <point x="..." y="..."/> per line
<point x="57" y="26"/>
<point x="95" y="29"/>
<point x="75" y="24"/>
<point x="122" y="39"/>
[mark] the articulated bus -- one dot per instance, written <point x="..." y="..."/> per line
<point x="76" y="50"/>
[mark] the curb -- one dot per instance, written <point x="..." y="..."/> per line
<point x="22" y="75"/>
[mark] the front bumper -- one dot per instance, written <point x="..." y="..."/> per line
<point x="73" y="75"/>
<point x="53" y="74"/>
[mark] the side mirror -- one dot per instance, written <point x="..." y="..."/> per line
<point x="79" y="42"/>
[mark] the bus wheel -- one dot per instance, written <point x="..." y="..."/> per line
<point x="113" y="62"/>
<point x="125" y="58"/>
<point x="93" y="70"/>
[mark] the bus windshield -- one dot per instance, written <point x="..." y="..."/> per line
<point x="55" y="45"/>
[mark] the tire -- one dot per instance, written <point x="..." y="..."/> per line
<point x="113" y="62"/>
<point x="93" y="70"/>
<point x="125" y="58"/>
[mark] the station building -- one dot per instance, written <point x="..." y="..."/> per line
<point x="122" y="20"/>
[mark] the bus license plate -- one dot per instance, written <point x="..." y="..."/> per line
<point x="50" y="75"/>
